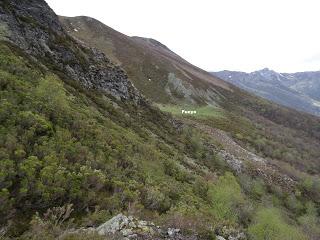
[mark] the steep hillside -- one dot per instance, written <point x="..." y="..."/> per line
<point x="80" y="144"/>
<point x="157" y="72"/>
<point x="75" y="131"/>
<point x="298" y="90"/>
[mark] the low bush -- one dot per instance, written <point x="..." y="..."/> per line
<point x="226" y="198"/>
<point x="269" y="224"/>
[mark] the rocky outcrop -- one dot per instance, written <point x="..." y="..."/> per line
<point x="33" y="27"/>
<point x="230" y="234"/>
<point x="132" y="228"/>
<point x="128" y="227"/>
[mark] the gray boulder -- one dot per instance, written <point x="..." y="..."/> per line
<point x="113" y="225"/>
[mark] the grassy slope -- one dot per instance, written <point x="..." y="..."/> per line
<point x="202" y="112"/>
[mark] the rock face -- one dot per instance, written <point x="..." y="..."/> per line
<point x="33" y="27"/>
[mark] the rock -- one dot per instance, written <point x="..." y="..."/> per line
<point x="132" y="224"/>
<point x="126" y="232"/>
<point x="230" y="234"/>
<point x="124" y="223"/>
<point x="113" y="225"/>
<point x="172" y="232"/>
<point x="142" y="224"/>
<point x="220" y="238"/>
<point x="241" y="236"/>
<point x="133" y="236"/>
<point x="144" y="229"/>
<point x="233" y="162"/>
<point x="129" y="228"/>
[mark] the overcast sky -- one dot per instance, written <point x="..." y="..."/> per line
<point x="244" y="35"/>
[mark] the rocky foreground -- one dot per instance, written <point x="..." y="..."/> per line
<point x="129" y="227"/>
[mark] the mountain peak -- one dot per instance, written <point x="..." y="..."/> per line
<point x="266" y="70"/>
<point x="151" y="41"/>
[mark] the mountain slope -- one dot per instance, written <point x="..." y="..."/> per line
<point x="160" y="74"/>
<point x="79" y="144"/>
<point x="74" y="130"/>
<point x="307" y="83"/>
<point x="298" y="91"/>
<point x="258" y="137"/>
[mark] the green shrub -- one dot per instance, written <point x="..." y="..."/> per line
<point x="269" y="225"/>
<point x="52" y="98"/>
<point x="293" y="204"/>
<point x="214" y="162"/>
<point x="154" y="198"/>
<point x="226" y="198"/>
<point x="96" y="217"/>
<point x="173" y="170"/>
<point x="258" y="189"/>
<point x="201" y="188"/>
<point x="190" y="220"/>
<point x="310" y="221"/>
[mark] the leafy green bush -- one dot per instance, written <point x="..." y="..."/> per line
<point x="201" y="188"/>
<point x="294" y="204"/>
<point x="226" y="197"/>
<point x="310" y="222"/>
<point x="190" y="220"/>
<point x="51" y="96"/>
<point x="173" y="170"/>
<point x="270" y="225"/>
<point x="95" y="217"/>
<point x="155" y="199"/>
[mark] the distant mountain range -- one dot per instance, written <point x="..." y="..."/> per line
<point x="300" y="90"/>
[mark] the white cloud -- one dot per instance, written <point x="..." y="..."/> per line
<point x="213" y="34"/>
